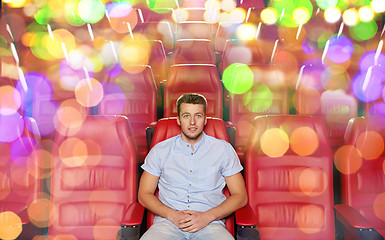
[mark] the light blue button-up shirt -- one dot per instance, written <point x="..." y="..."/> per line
<point x="189" y="179"/>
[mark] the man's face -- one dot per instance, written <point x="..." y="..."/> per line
<point x="192" y="120"/>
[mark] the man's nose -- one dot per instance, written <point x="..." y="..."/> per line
<point x="192" y="120"/>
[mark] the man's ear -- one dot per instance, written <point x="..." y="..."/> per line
<point x="178" y="120"/>
<point x="205" y="120"/>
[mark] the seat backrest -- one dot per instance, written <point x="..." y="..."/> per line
<point x="168" y="127"/>
<point x="134" y="96"/>
<point x="289" y="177"/>
<point x="362" y="168"/>
<point x="193" y="51"/>
<point x="198" y="78"/>
<point x="157" y="31"/>
<point x="238" y="51"/>
<point x="335" y="105"/>
<point x="158" y="61"/>
<point x="19" y="163"/>
<point x="194" y="30"/>
<point x="94" y="178"/>
<point x="268" y="95"/>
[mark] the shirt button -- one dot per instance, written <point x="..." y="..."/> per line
<point x="190" y="184"/>
<point x="190" y="170"/>
<point x="192" y="153"/>
<point x="188" y="206"/>
<point x="188" y="145"/>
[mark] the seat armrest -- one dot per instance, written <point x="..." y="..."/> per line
<point x="356" y="225"/>
<point x="29" y="229"/>
<point x="231" y="132"/>
<point x="23" y="214"/>
<point x="133" y="215"/>
<point x="246" y="224"/>
<point x="130" y="224"/>
<point x="149" y="133"/>
<point x="245" y="216"/>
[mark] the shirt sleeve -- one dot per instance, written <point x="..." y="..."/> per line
<point x="232" y="165"/>
<point x="152" y="163"/>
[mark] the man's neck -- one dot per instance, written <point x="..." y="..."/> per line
<point x="190" y="141"/>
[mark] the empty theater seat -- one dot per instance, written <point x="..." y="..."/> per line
<point x="326" y="99"/>
<point x="94" y="180"/>
<point x="168" y="127"/>
<point x="238" y="51"/>
<point x="157" y="31"/>
<point x="198" y="78"/>
<point x="194" y="30"/>
<point x="361" y="163"/>
<point x="193" y="51"/>
<point x="268" y="95"/>
<point x="20" y="175"/>
<point x="289" y="179"/>
<point x="133" y="95"/>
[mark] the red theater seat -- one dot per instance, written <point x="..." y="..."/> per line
<point x="268" y="95"/>
<point x="193" y="51"/>
<point x="198" y="78"/>
<point x="134" y="96"/>
<point x="245" y="4"/>
<point x="157" y="31"/>
<point x="363" y="179"/>
<point x="168" y="127"/>
<point x="335" y="105"/>
<point x="20" y="175"/>
<point x="94" y="180"/>
<point x="194" y="30"/>
<point x="238" y="51"/>
<point x="289" y="179"/>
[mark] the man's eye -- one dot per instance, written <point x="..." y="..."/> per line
<point x="185" y="116"/>
<point x="199" y="116"/>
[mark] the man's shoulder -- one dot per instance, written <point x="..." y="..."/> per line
<point x="214" y="139"/>
<point x="165" y="143"/>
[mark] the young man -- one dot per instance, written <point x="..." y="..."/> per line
<point x="191" y="171"/>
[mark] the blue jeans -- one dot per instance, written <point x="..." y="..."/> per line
<point x="168" y="231"/>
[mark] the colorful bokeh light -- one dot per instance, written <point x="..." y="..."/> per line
<point x="11" y="127"/>
<point x="286" y="9"/>
<point x="370" y="144"/>
<point x="340" y="49"/>
<point x="89" y="92"/>
<point x="363" y="31"/>
<point x="259" y="99"/>
<point x="365" y="14"/>
<point x="350" y="17"/>
<point x="10" y="100"/>
<point x="325" y="4"/>
<point x="91" y="11"/>
<point x="367" y="85"/>
<point x="332" y="14"/>
<point x="10" y="225"/>
<point x="304" y="141"/>
<point x="269" y="16"/>
<point x="348" y="159"/>
<point x="238" y="78"/>
<point x="274" y="142"/>
<point x="378" y="6"/>
<point x="246" y="31"/>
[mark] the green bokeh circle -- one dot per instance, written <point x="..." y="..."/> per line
<point x="238" y="78"/>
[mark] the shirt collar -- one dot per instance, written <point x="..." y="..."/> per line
<point x="188" y="145"/>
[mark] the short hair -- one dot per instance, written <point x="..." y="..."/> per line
<point x="192" y="98"/>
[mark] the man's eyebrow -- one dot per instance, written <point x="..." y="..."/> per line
<point x="192" y="113"/>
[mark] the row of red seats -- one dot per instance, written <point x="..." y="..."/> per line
<point x="94" y="179"/>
